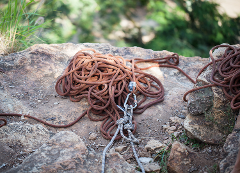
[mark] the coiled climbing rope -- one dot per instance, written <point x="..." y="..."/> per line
<point x="103" y="80"/>
<point x="225" y="73"/>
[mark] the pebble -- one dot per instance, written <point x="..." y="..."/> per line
<point x="144" y="153"/>
<point x="209" y="150"/>
<point x="120" y="148"/>
<point x="172" y="128"/>
<point x="181" y="116"/>
<point x="176" y="120"/>
<point x="145" y="159"/>
<point x="91" y="154"/>
<point x="176" y="134"/>
<point x="153" y="145"/>
<point x="165" y="127"/>
<point x="112" y="150"/>
<point x="92" y="136"/>
<point x="170" y="132"/>
<point x="152" y="167"/>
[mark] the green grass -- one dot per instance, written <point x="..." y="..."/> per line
<point x="162" y="158"/>
<point x="18" y="26"/>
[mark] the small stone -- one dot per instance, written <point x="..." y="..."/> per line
<point x="172" y="128"/>
<point x="152" y="167"/>
<point x="153" y="145"/>
<point x="92" y="136"/>
<point x="170" y="132"/>
<point x="120" y="148"/>
<point x="176" y="120"/>
<point x="181" y="116"/>
<point x="209" y="150"/>
<point x="112" y="151"/>
<point x="56" y="103"/>
<point x="145" y="159"/>
<point x="165" y="127"/>
<point x="176" y="134"/>
<point x="144" y="153"/>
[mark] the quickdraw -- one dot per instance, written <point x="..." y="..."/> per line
<point x="126" y="124"/>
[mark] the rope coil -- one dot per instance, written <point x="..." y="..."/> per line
<point x="225" y="73"/>
<point x="103" y="80"/>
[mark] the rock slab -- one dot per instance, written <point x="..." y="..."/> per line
<point x="66" y="152"/>
<point x="19" y="140"/>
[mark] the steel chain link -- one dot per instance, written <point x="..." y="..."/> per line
<point x="126" y="124"/>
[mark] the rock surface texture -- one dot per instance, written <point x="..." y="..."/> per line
<point x="230" y="149"/>
<point x="28" y="86"/>
<point x="66" y="152"/>
<point x="182" y="159"/>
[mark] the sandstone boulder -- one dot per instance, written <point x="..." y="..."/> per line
<point x="154" y="146"/>
<point x="182" y="159"/>
<point x="210" y="118"/>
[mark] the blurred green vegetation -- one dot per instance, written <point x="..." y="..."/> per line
<point x="18" y="26"/>
<point x="190" y="27"/>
